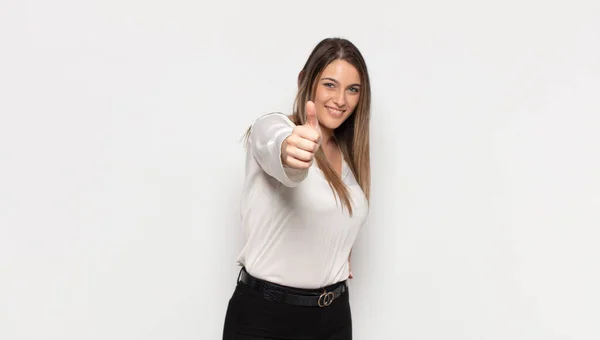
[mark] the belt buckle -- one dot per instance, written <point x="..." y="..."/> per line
<point x="325" y="299"/>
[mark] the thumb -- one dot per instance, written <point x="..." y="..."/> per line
<point x="311" y="115"/>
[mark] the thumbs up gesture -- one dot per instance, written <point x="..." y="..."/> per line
<point x="299" y="148"/>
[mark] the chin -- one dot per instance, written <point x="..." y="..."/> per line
<point x="332" y="123"/>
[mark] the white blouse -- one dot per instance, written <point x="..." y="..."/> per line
<point x="295" y="232"/>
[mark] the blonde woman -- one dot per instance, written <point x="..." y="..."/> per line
<point x="305" y="198"/>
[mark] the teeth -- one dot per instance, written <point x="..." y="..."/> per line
<point x="334" y="111"/>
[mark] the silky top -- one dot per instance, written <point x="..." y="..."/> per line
<point x="296" y="232"/>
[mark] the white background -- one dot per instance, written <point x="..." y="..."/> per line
<point x="121" y="165"/>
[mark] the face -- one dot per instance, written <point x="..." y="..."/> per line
<point x="337" y="93"/>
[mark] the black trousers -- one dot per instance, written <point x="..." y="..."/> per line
<point x="252" y="317"/>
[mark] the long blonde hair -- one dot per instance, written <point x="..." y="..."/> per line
<point x="352" y="136"/>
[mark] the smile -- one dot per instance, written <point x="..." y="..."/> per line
<point x="335" y="112"/>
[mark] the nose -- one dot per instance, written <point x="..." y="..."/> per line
<point x="340" y="98"/>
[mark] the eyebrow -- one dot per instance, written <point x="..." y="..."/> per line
<point x="337" y="82"/>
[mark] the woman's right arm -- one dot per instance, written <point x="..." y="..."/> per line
<point x="267" y="136"/>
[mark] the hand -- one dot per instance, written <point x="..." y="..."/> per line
<point x="299" y="148"/>
<point x="350" y="276"/>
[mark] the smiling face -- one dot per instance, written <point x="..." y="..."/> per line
<point x="337" y="93"/>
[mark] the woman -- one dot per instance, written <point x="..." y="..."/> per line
<point x="305" y="198"/>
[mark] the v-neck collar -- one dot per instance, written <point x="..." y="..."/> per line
<point x="345" y="169"/>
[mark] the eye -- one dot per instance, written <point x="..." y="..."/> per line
<point x="354" y="89"/>
<point x="330" y="85"/>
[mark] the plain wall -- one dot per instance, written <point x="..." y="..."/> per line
<point x="121" y="165"/>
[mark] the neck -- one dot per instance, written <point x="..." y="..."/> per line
<point x="327" y="137"/>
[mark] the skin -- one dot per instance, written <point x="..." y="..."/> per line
<point x="337" y="94"/>
<point x="336" y="97"/>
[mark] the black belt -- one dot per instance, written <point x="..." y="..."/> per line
<point x="299" y="297"/>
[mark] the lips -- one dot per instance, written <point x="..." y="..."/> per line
<point x="335" y="112"/>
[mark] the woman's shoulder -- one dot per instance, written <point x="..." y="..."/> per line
<point x="275" y="117"/>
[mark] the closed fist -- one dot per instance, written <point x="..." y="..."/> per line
<point x="299" y="148"/>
